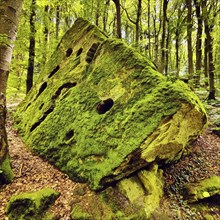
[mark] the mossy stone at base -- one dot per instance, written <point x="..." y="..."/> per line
<point x="6" y="173"/>
<point x="203" y="189"/>
<point x="31" y="205"/>
<point x="144" y="190"/>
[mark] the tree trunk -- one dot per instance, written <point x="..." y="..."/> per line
<point x="209" y="50"/>
<point x="166" y="53"/>
<point x="149" y="30"/>
<point x="118" y="17"/>
<point x="137" y="25"/>
<point x="58" y="8"/>
<point x="97" y="14"/>
<point x="198" y="43"/>
<point x="30" y="72"/>
<point x="163" y="40"/>
<point x="8" y="28"/>
<point x="208" y="30"/>
<point x="189" y="38"/>
<point x="105" y="15"/>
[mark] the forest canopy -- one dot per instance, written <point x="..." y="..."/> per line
<point x="180" y="36"/>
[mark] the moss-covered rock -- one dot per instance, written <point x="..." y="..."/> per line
<point x="100" y="110"/>
<point x="203" y="189"/>
<point x="31" y="205"/>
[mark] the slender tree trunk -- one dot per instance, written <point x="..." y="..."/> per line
<point x="8" y="28"/>
<point x="189" y="38"/>
<point x="156" y="32"/>
<point x="105" y="15"/>
<point x="118" y="17"/>
<point x="30" y="72"/>
<point x="198" y="43"/>
<point x="97" y="14"/>
<point x="149" y="29"/>
<point x="210" y="65"/>
<point x="209" y="50"/>
<point x="58" y="8"/>
<point x="177" y="52"/>
<point x="166" y="53"/>
<point x="163" y="40"/>
<point x="137" y="25"/>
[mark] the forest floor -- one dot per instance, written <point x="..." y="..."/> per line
<point x="32" y="173"/>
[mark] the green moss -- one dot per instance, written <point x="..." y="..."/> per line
<point x="31" y="205"/>
<point x="6" y="173"/>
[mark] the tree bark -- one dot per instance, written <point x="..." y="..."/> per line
<point x="209" y="49"/>
<point x="189" y="38"/>
<point x="58" y="9"/>
<point x="198" y="43"/>
<point x="163" y="40"/>
<point x="30" y="72"/>
<point x="105" y="15"/>
<point x="118" y="17"/>
<point x="149" y="30"/>
<point x="8" y="29"/>
<point x="97" y="14"/>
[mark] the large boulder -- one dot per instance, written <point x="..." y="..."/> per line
<point x="101" y="111"/>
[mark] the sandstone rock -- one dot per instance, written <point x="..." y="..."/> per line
<point x="100" y="110"/>
<point x="31" y="205"/>
<point x="144" y="190"/>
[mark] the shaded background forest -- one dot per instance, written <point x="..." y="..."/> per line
<point x="182" y="37"/>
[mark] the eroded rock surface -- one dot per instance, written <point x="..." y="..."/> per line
<point x="101" y="111"/>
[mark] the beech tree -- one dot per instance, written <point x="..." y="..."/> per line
<point x="30" y="72"/>
<point x="8" y="28"/>
<point x="118" y="17"/>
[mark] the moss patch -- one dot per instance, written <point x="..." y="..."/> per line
<point x="6" y="173"/>
<point x="31" y="205"/>
<point x="96" y="112"/>
<point x="203" y="189"/>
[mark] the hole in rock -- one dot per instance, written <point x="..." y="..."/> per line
<point x="104" y="106"/>
<point x="54" y="71"/>
<point x="69" y="135"/>
<point x="41" y="106"/>
<point x="64" y="86"/>
<point x="29" y="104"/>
<point x="35" y="125"/>
<point x="79" y="52"/>
<point x="42" y="88"/>
<point x="69" y="52"/>
<point x="91" y="53"/>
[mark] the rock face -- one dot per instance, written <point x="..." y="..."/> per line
<point x="101" y="111"/>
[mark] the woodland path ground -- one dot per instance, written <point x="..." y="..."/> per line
<point x="32" y="173"/>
